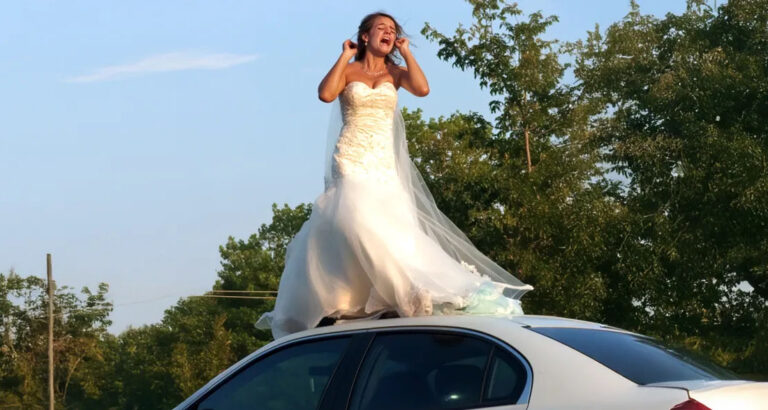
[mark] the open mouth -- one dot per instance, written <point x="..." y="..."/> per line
<point x="385" y="41"/>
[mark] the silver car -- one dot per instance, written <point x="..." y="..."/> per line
<point x="473" y="362"/>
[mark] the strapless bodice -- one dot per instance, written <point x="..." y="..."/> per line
<point x="365" y="146"/>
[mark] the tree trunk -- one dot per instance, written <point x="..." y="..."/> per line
<point x="528" y="149"/>
<point x="525" y="131"/>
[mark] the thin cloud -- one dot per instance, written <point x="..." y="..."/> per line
<point x="176" y="61"/>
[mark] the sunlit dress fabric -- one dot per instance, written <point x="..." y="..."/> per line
<point x="362" y="251"/>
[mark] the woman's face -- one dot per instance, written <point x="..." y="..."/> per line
<point x="381" y="38"/>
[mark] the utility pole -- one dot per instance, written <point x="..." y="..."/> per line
<point x="50" y="332"/>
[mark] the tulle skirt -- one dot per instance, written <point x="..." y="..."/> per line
<point x="361" y="253"/>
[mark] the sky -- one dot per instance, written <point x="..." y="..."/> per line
<point x="136" y="137"/>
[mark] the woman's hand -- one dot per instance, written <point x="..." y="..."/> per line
<point x="349" y="48"/>
<point x="402" y="44"/>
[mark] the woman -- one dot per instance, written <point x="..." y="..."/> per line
<point x="375" y="241"/>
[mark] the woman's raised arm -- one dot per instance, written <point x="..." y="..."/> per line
<point x="333" y="83"/>
<point x="411" y="78"/>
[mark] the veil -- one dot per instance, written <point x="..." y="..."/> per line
<point x="431" y="220"/>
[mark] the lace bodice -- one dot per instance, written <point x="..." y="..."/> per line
<point x="365" y="146"/>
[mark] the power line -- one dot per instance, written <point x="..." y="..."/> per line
<point x="242" y="291"/>
<point x="233" y="297"/>
<point x="218" y="294"/>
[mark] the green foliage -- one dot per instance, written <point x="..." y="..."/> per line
<point x="256" y="264"/>
<point x="523" y="74"/>
<point x="191" y="369"/>
<point x="142" y="367"/>
<point x="79" y="331"/>
<point x="684" y="105"/>
<point x="553" y="226"/>
<point x="538" y="231"/>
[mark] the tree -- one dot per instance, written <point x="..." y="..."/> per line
<point x="256" y="264"/>
<point x="551" y="219"/>
<point x="683" y="121"/>
<point x="143" y="368"/>
<point x="80" y="327"/>
<point x="517" y="65"/>
<point x="192" y="368"/>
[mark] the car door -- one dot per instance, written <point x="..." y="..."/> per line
<point x="440" y="369"/>
<point x="295" y="376"/>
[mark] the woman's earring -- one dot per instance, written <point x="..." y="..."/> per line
<point x="366" y="43"/>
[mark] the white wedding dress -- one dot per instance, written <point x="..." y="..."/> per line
<point x="375" y="241"/>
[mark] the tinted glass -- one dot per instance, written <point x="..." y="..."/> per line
<point x="638" y="358"/>
<point x="507" y="378"/>
<point x="292" y="378"/>
<point x="421" y="371"/>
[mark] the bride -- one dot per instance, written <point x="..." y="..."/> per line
<point x="375" y="242"/>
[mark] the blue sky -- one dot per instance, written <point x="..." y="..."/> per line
<point x="137" y="136"/>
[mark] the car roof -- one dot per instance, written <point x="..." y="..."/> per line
<point x="554" y="321"/>
<point x="473" y="322"/>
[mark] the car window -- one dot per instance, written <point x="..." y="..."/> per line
<point x="430" y="370"/>
<point x="506" y="379"/>
<point x="291" y="378"/>
<point x="638" y="358"/>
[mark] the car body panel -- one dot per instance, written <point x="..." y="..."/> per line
<point x="732" y="395"/>
<point x="563" y="378"/>
<point x="724" y="394"/>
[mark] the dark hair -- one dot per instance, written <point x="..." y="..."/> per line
<point x="366" y="25"/>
